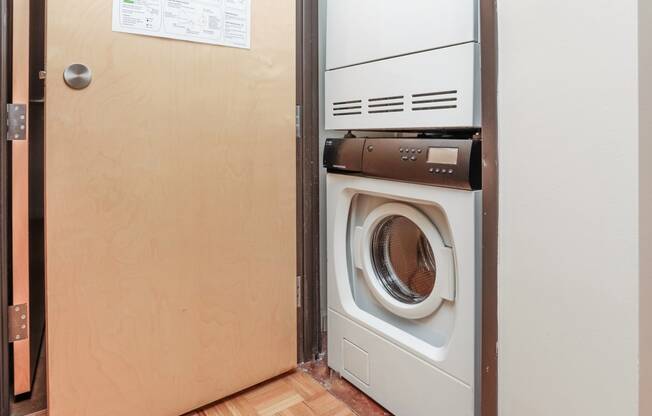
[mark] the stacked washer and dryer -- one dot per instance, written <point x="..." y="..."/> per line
<point x="404" y="214"/>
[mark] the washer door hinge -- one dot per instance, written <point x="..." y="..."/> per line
<point x="18" y="322"/>
<point x="298" y="121"/>
<point x="16" y="122"/>
<point x="299" y="291"/>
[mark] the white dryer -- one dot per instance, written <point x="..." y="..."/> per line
<point x="404" y="271"/>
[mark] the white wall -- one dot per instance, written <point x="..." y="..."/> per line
<point x="569" y="173"/>
<point x="645" y="71"/>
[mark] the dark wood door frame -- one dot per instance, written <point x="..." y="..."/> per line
<point x="308" y="167"/>
<point x="489" y="45"/>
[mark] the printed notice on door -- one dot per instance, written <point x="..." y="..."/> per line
<point x="218" y="22"/>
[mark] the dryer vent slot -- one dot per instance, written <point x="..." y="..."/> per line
<point x="347" y="108"/>
<point x="431" y="94"/>
<point x="386" y="105"/>
<point x="439" y="107"/>
<point x="397" y="97"/>
<point x="347" y="102"/>
<point x="440" y="100"/>
<point x="397" y="110"/>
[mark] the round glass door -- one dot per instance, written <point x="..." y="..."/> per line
<point x="403" y="260"/>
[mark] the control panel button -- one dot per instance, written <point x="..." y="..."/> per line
<point x="413" y="158"/>
<point x="404" y="158"/>
<point x="370" y="148"/>
<point x="431" y="170"/>
<point x="419" y="150"/>
<point x="400" y="150"/>
<point x="450" y="171"/>
<point x="437" y="170"/>
<point x="413" y="150"/>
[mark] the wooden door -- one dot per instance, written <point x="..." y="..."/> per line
<point x="170" y="214"/>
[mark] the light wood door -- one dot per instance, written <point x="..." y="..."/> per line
<point x="170" y="214"/>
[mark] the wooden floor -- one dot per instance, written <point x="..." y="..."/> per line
<point x="296" y="394"/>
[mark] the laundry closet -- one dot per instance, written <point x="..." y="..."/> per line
<point x="325" y="207"/>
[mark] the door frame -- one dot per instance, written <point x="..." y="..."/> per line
<point x="490" y="188"/>
<point x="308" y="168"/>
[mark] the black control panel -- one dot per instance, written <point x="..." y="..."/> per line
<point x="452" y="163"/>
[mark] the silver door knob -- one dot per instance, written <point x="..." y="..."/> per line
<point x="78" y="76"/>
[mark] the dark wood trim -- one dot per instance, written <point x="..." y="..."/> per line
<point x="5" y="210"/>
<point x="36" y="183"/>
<point x="299" y="175"/>
<point x="489" y="377"/>
<point x="308" y="230"/>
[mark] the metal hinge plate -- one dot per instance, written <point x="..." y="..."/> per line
<point x="18" y="323"/>
<point x="297" y="121"/>
<point x="299" y="290"/>
<point x="16" y="122"/>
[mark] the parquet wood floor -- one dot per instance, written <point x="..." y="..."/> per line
<point x="296" y="394"/>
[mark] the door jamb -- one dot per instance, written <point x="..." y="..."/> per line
<point x="308" y="225"/>
<point x="490" y="187"/>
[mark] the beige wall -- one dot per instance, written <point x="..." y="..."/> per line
<point x="645" y="65"/>
<point x="568" y="263"/>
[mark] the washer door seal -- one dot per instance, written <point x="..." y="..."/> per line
<point x="404" y="261"/>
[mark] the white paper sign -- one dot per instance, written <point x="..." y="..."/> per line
<point x="218" y="22"/>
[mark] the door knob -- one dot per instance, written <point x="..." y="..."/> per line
<point x="78" y="76"/>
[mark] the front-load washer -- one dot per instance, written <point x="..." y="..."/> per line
<point x="404" y="246"/>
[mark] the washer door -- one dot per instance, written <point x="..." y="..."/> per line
<point x="404" y="260"/>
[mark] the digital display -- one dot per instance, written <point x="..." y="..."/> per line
<point x="443" y="155"/>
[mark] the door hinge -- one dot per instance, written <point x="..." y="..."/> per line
<point x="298" y="121"/>
<point x="16" y="122"/>
<point x="299" y="291"/>
<point x="18" y="323"/>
